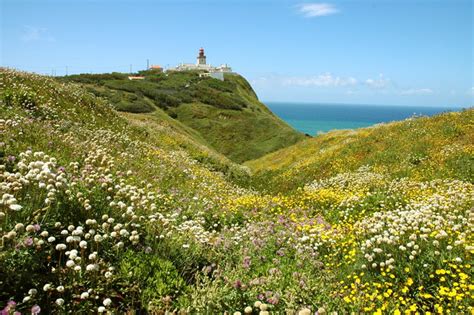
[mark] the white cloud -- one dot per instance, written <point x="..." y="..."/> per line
<point x="424" y="91"/>
<point x="326" y="80"/>
<point x="380" y="83"/>
<point x="317" y="9"/>
<point x="348" y="85"/>
<point x="470" y="91"/>
<point x="31" y="34"/>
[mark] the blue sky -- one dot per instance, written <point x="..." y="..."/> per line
<point x="368" y="52"/>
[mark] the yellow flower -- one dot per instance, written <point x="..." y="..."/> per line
<point x="413" y="307"/>
<point x="409" y="281"/>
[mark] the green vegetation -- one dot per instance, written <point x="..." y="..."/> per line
<point x="418" y="148"/>
<point x="108" y="212"/>
<point x="227" y="114"/>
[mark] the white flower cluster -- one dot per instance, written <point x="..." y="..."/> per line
<point x="437" y="223"/>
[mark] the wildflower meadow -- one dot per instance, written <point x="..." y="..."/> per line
<point x="107" y="212"/>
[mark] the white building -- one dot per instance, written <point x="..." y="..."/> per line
<point x="202" y="65"/>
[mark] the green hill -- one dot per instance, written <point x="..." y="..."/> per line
<point x="420" y="148"/>
<point x="116" y="212"/>
<point x="226" y="114"/>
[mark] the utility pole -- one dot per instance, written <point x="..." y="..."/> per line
<point x="130" y="68"/>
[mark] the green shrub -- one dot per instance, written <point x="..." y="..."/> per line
<point x="22" y="98"/>
<point x="157" y="280"/>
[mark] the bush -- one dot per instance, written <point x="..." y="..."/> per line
<point x="22" y="98"/>
<point x="157" y="280"/>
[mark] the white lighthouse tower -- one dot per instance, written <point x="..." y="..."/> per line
<point x="201" y="58"/>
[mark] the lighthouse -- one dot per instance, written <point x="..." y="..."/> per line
<point x="202" y="66"/>
<point x="201" y="58"/>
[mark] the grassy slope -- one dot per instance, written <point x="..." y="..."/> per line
<point x="420" y="148"/>
<point x="151" y="163"/>
<point x="226" y="115"/>
<point x="208" y="246"/>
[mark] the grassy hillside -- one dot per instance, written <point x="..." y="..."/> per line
<point x="226" y="114"/>
<point x="418" y="148"/>
<point x="108" y="212"/>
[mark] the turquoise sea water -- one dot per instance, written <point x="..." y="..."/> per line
<point x="314" y="118"/>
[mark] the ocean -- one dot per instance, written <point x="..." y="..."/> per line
<point x="315" y="118"/>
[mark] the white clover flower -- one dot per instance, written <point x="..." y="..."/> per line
<point x="26" y="299"/>
<point x="108" y="274"/>
<point x="84" y="295"/>
<point x="32" y="291"/>
<point x="15" y="207"/>
<point x="83" y="244"/>
<point x="101" y="309"/>
<point x="30" y="228"/>
<point x="107" y="302"/>
<point x="44" y="234"/>
<point x="64" y="232"/>
<point x="69" y="239"/>
<point x="11" y="235"/>
<point x="98" y="238"/>
<point x="91" y="222"/>
<point x="61" y="247"/>
<point x="59" y="302"/>
<point x="47" y="287"/>
<point x="60" y="288"/>
<point x="19" y="227"/>
<point x="70" y="263"/>
<point x="91" y="267"/>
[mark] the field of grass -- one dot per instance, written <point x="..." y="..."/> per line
<point x="111" y="212"/>
<point x="227" y="114"/>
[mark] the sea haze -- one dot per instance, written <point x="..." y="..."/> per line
<point x="314" y="118"/>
